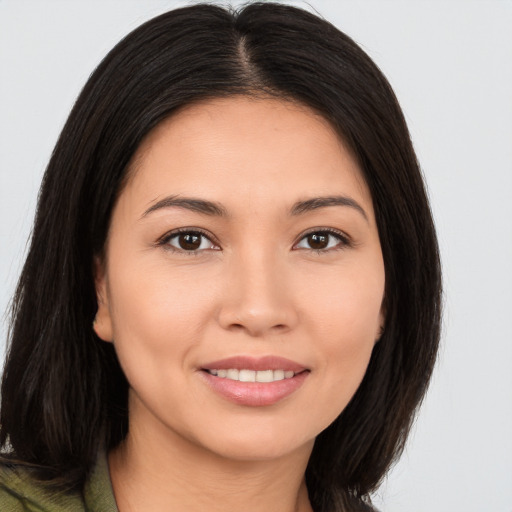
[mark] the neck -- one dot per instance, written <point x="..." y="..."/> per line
<point x="161" y="473"/>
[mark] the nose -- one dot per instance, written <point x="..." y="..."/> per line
<point x="258" y="298"/>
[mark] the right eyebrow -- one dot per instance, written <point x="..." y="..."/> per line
<point x="188" y="203"/>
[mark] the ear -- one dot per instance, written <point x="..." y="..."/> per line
<point x="102" y="324"/>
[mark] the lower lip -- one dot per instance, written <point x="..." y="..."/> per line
<point x="255" y="394"/>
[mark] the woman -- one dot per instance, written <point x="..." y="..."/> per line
<point x="232" y="294"/>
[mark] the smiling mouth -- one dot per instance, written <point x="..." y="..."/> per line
<point x="254" y="381"/>
<point x="246" y="375"/>
<point x="255" y="388"/>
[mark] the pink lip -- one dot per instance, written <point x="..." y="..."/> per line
<point x="255" y="363"/>
<point x="255" y="394"/>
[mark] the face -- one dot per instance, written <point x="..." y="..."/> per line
<point x="243" y="280"/>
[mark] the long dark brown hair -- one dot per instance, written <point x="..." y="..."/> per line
<point x="64" y="396"/>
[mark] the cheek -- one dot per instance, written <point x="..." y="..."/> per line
<point x="157" y="318"/>
<point x="346" y="305"/>
<point x="154" y="299"/>
<point x="158" y="322"/>
<point x="344" y="319"/>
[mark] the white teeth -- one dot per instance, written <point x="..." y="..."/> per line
<point x="247" y="376"/>
<point x="278" y="374"/>
<point x="233" y="374"/>
<point x="265" y="376"/>
<point x="253" y="376"/>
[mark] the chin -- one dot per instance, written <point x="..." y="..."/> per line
<point x="258" y="444"/>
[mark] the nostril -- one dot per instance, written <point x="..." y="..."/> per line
<point x="236" y="327"/>
<point x="256" y="319"/>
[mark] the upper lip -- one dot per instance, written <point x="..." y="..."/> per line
<point x="255" y="363"/>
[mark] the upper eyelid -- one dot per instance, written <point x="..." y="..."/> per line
<point x="174" y="232"/>
<point x="331" y="231"/>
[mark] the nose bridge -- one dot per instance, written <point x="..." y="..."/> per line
<point x="257" y="296"/>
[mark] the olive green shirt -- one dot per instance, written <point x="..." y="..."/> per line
<point x="20" y="493"/>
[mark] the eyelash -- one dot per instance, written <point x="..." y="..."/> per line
<point x="164" y="241"/>
<point x="344" y="241"/>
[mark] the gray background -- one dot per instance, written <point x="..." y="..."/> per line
<point x="450" y="63"/>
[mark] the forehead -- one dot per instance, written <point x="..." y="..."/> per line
<point x="237" y="145"/>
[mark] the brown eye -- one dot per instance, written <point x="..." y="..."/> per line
<point x="318" y="240"/>
<point x="322" y="241"/>
<point x="189" y="241"/>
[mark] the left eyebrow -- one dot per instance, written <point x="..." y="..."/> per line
<point x="314" y="203"/>
<point x="188" y="203"/>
